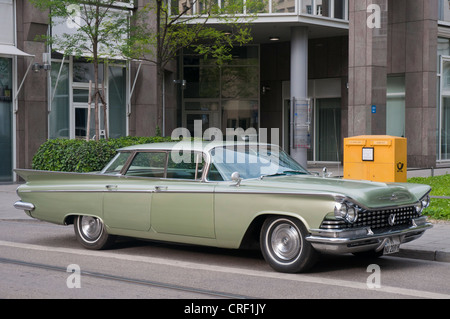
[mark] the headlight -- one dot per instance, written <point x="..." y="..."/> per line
<point x="423" y="203"/>
<point x="346" y="211"/>
<point x="419" y="207"/>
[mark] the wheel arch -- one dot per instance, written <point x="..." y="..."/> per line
<point x="69" y="219"/>
<point x="250" y="240"/>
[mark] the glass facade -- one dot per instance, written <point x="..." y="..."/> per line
<point x="117" y="96"/>
<point x="6" y="130"/>
<point x="395" y="106"/>
<point x="59" y="116"/>
<point x="328" y="129"/>
<point x="7" y="22"/>
<point x="222" y="97"/>
<point x="443" y="134"/>
<point x="444" y="10"/>
<point x="68" y="117"/>
<point x="336" y="9"/>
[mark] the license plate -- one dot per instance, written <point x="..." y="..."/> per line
<point x="392" y="245"/>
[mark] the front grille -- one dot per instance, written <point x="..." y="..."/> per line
<point x="376" y="219"/>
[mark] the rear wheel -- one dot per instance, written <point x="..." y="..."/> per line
<point x="91" y="233"/>
<point x="284" y="246"/>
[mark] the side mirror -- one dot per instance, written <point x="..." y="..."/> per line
<point x="235" y="177"/>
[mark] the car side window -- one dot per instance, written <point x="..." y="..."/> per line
<point x="148" y="164"/>
<point x="185" y="166"/>
<point x="214" y="174"/>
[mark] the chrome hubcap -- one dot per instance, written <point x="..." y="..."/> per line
<point x="286" y="242"/>
<point x="91" y="227"/>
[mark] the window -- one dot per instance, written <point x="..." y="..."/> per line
<point x="443" y="150"/>
<point x="185" y="166"/>
<point x="222" y="97"/>
<point x="7" y="22"/>
<point x="6" y="130"/>
<point x="395" y="108"/>
<point x="117" y="99"/>
<point x="68" y="102"/>
<point x="444" y="10"/>
<point x="148" y="164"/>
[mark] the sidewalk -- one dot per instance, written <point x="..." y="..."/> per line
<point x="433" y="245"/>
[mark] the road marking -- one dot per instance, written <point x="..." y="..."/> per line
<point x="239" y="271"/>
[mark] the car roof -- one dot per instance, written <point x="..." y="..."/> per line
<point x="200" y="146"/>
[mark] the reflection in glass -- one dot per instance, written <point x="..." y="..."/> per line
<point x="283" y="6"/>
<point x="201" y="106"/>
<point x="395" y="106"/>
<point x="240" y="114"/>
<point x="445" y="130"/>
<point x="201" y="82"/>
<point x="148" y="164"/>
<point x="329" y="129"/>
<point x="117" y="101"/>
<point x="444" y="10"/>
<point x="81" y="118"/>
<point x="240" y="82"/>
<point x="84" y="71"/>
<point x="59" y="115"/>
<point x="81" y="95"/>
<point x="307" y="7"/>
<point x="252" y="161"/>
<point x="6" y="140"/>
<point x="185" y="165"/>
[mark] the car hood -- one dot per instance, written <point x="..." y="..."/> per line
<point x="365" y="193"/>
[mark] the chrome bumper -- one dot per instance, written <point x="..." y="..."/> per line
<point x="24" y="206"/>
<point x="363" y="239"/>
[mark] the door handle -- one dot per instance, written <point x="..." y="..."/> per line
<point x="160" y="188"/>
<point x="111" y="187"/>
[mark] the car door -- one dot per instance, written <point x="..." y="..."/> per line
<point x="182" y="204"/>
<point x="127" y="199"/>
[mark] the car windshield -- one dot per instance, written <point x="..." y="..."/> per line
<point x="251" y="161"/>
<point x="116" y="164"/>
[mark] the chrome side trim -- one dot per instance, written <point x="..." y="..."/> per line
<point x="24" y="205"/>
<point x="179" y="191"/>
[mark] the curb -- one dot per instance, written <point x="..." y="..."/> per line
<point x="440" y="256"/>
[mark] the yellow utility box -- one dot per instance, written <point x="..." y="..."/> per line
<point x="379" y="158"/>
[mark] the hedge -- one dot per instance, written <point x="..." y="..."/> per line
<point x="83" y="156"/>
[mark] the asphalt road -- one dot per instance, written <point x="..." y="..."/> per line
<point x="41" y="260"/>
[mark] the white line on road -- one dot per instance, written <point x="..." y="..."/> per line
<point x="239" y="271"/>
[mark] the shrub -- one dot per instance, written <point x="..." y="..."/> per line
<point x="82" y="156"/>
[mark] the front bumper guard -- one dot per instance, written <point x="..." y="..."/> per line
<point x="363" y="239"/>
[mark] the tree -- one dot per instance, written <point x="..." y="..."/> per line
<point x="208" y="27"/>
<point x="99" y="28"/>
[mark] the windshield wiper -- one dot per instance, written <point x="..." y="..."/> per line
<point x="284" y="173"/>
<point x="295" y="172"/>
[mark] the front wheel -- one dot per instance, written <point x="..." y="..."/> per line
<point x="91" y="233"/>
<point x="284" y="246"/>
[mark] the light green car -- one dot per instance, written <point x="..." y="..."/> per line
<point x="230" y="195"/>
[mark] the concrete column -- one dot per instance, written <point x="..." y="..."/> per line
<point x="367" y="67"/>
<point x="299" y="80"/>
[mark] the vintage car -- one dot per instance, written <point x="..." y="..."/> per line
<point x="230" y="195"/>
